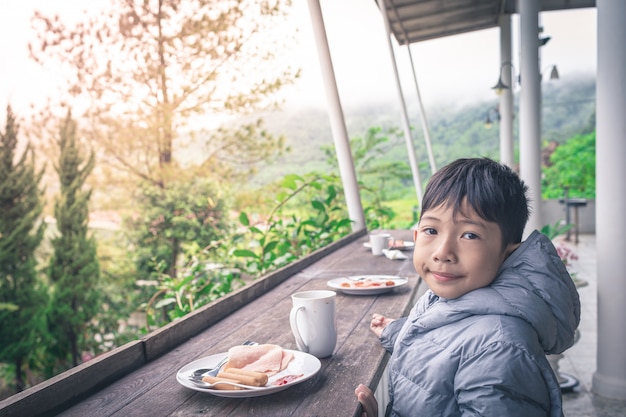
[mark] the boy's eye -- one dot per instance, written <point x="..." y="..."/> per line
<point x="430" y="231"/>
<point x="470" y="236"/>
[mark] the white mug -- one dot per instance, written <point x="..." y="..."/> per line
<point x="379" y="241"/>
<point x="313" y="322"/>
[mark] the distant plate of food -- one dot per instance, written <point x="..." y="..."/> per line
<point x="397" y="244"/>
<point x="296" y="368"/>
<point x="367" y="284"/>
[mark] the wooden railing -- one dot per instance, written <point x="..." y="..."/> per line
<point x="70" y="387"/>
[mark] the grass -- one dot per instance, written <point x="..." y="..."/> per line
<point x="406" y="213"/>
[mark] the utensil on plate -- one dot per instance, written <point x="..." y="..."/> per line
<point x="198" y="374"/>
<point x="303" y="363"/>
<point x="356" y="279"/>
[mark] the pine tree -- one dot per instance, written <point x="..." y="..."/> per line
<point x="74" y="269"/>
<point x="21" y="232"/>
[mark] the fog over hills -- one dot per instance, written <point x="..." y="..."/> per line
<point x="567" y="110"/>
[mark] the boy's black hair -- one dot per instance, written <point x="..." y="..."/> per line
<point x="493" y="190"/>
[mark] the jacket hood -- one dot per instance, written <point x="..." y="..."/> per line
<point x="532" y="284"/>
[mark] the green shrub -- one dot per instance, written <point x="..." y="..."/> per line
<point x="573" y="165"/>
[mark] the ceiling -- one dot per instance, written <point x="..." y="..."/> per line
<point x="420" y="20"/>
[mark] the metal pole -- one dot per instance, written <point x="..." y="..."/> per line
<point x="530" y="110"/>
<point x="337" y="122"/>
<point x="507" y="154"/>
<point x="425" y="128"/>
<point x="405" y="117"/>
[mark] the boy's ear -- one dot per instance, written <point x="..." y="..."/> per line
<point x="511" y="247"/>
<point x="414" y="235"/>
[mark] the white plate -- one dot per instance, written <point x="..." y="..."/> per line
<point x="302" y="363"/>
<point x="407" y="245"/>
<point x="336" y="284"/>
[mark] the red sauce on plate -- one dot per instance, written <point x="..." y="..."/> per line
<point x="286" y="379"/>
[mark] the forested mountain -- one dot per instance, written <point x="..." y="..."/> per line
<point x="568" y="109"/>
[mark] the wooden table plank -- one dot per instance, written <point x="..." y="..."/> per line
<point x="358" y="357"/>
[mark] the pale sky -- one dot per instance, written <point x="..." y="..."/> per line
<point x="460" y="68"/>
<point x="454" y="70"/>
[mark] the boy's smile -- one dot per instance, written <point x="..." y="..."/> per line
<point x="457" y="254"/>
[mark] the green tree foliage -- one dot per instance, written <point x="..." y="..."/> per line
<point x="73" y="270"/>
<point x="176" y="233"/>
<point x="21" y="232"/>
<point x="377" y="175"/>
<point x="573" y="165"/>
<point x="188" y="215"/>
<point x="373" y="170"/>
<point x="197" y="283"/>
<point x="568" y="109"/>
<point x="119" y="293"/>
<point x="159" y="74"/>
<point x="309" y="213"/>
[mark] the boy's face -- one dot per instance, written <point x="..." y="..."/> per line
<point x="457" y="255"/>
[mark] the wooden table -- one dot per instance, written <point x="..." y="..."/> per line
<point x="152" y="390"/>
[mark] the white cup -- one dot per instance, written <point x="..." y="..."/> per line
<point x="379" y="241"/>
<point x="313" y="322"/>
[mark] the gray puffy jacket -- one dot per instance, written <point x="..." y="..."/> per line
<point x="483" y="354"/>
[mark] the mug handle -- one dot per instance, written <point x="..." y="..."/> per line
<point x="294" y="328"/>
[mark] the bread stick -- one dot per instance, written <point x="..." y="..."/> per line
<point x="212" y="380"/>
<point x="260" y="377"/>
<point x="246" y="379"/>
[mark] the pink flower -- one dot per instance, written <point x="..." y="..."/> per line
<point x="567" y="255"/>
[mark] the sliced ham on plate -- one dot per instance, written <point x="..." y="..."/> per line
<point x="267" y="358"/>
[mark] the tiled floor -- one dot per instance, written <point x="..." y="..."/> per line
<point x="580" y="360"/>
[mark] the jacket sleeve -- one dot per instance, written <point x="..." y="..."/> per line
<point x="390" y="334"/>
<point x="504" y="380"/>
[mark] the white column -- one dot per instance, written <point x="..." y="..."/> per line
<point x="337" y="122"/>
<point x="507" y="154"/>
<point x="609" y="380"/>
<point x="425" y="128"/>
<point x="408" y="137"/>
<point x="530" y="109"/>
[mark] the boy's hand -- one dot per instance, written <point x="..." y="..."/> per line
<point x="367" y="400"/>
<point x="378" y="324"/>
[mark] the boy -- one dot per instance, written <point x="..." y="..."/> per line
<point x="475" y="342"/>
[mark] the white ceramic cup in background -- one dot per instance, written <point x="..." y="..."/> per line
<point x="313" y="322"/>
<point x="379" y="241"/>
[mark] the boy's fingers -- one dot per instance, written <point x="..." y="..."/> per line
<point x="367" y="400"/>
<point x="369" y="409"/>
